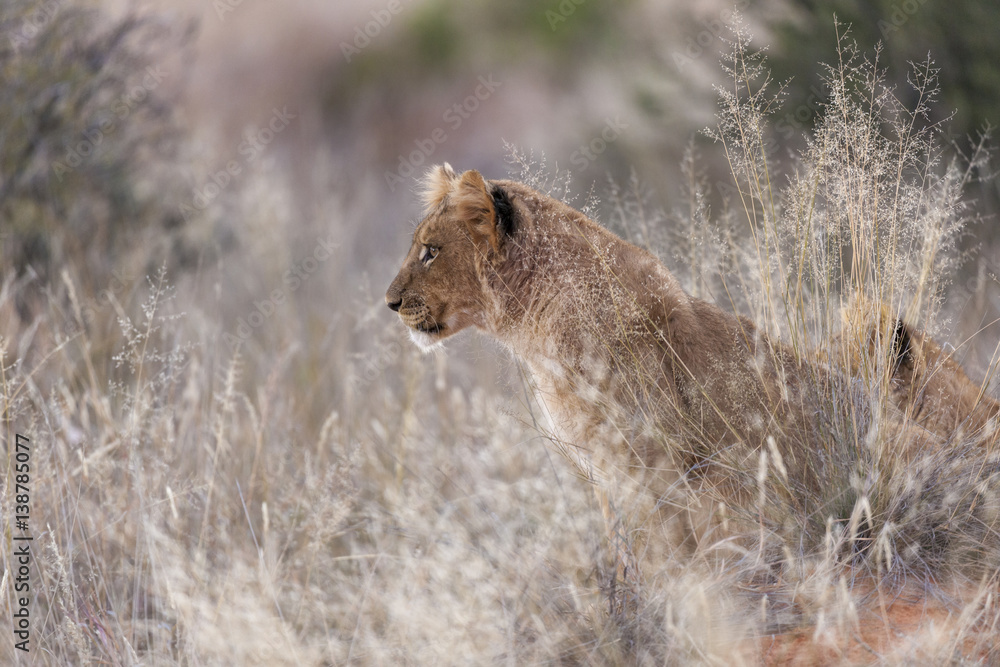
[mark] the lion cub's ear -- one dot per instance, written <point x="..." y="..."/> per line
<point x="438" y="184"/>
<point x="475" y="207"/>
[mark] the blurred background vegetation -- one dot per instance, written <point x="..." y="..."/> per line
<point x="371" y="80"/>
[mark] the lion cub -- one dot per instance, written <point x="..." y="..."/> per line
<point x="646" y="385"/>
<point x="631" y="368"/>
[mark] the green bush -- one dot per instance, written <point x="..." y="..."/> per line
<point x="86" y="132"/>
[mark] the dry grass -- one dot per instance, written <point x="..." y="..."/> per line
<point x="323" y="494"/>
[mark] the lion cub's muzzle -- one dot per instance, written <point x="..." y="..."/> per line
<point x="414" y="312"/>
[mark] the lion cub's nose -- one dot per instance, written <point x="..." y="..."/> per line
<point x="393" y="305"/>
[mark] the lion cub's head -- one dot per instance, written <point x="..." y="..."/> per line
<point x="439" y="290"/>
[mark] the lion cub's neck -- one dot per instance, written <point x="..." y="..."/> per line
<point x="590" y="312"/>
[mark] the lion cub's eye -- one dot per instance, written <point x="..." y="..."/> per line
<point x="428" y="254"/>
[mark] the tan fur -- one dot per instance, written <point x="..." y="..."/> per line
<point x="923" y="381"/>
<point x="437" y="185"/>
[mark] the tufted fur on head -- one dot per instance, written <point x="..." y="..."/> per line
<point x="478" y="204"/>
<point x="437" y="184"/>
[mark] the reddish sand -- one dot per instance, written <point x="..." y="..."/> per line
<point x="889" y="630"/>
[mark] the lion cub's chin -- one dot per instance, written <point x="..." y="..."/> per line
<point x="425" y="341"/>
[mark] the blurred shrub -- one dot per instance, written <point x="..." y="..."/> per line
<point x="86" y="132"/>
<point x="960" y="37"/>
<point x="959" y="40"/>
